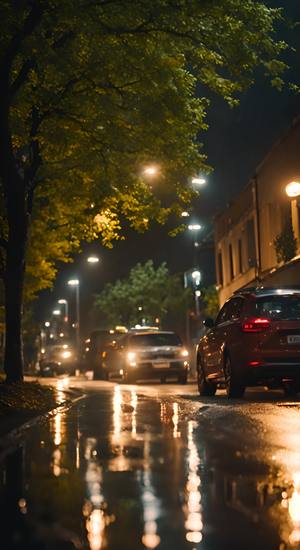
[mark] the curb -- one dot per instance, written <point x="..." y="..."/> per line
<point x="11" y="439"/>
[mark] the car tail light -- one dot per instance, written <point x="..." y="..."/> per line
<point x="257" y="324"/>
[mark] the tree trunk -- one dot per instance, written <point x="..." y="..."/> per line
<point x="14" y="282"/>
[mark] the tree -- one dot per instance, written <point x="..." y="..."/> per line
<point x="210" y="299"/>
<point x="90" y="91"/>
<point x="285" y="243"/>
<point x="147" y="295"/>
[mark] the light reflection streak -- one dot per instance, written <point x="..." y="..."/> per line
<point x="151" y="512"/>
<point x="133" y="403"/>
<point x="61" y="385"/>
<point x="175" y="419"/>
<point x="192" y="507"/>
<point x="95" y="506"/>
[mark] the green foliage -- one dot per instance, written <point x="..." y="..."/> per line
<point x="156" y="291"/>
<point x="99" y="89"/>
<point x="210" y="298"/>
<point x="285" y="243"/>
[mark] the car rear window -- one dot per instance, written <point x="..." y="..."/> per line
<point x="279" y="307"/>
<point x="159" y="339"/>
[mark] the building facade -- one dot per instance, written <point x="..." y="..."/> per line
<point x="246" y="230"/>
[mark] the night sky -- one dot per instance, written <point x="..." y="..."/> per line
<point x="235" y="143"/>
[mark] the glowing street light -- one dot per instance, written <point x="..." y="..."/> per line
<point x="198" y="180"/>
<point x="75" y="283"/>
<point x="56" y="312"/>
<point x="64" y="302"/>
<point x="93" y="259"/>
<point x="184" y="214"/>
<point x="47" y="324"/>
<point x="194" y="227"/>
<point x="150" y="170"/>
<point x="293" y="189"/>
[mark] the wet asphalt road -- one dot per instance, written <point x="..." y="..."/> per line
<point x="150" y="466"/>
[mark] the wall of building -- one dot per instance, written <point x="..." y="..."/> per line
<point x="245" y="231"/>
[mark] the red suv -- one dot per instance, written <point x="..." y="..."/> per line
<point x="255" y="340"/>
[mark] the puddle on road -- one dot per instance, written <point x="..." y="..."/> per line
<point x="123" y="471"/>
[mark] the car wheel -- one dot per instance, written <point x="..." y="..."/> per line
<point x="206" y="389"/>
<point x="182" y="379"/>
<point x="234" y="387"/>
<point x="291" y="389"/>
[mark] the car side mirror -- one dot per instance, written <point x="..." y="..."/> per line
<point x="209" y="323"/>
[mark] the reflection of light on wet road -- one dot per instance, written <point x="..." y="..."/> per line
<point x="192" y="508"/>
<point x="56" y="462"/>
<point x="133" y="403"/>
<point x="61" y="385"/>
<point x="95" y="525"/>
<point x="93" y="508"/>
<point x="117" y="411"/>
<point x="292" y="503"/>
<point x="57" y="428"/>
<point x="151" y="511"/>
<point x="175" y="419"/>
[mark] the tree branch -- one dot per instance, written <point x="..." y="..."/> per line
<point x="23" y="73"/>
<point x="30" y="23"/>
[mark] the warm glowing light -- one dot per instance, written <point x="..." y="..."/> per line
<point x="133" y="403"/>
<point x="56" y="312"/>
<point x="66" y="354"/>
<point x="185" y="353"/>
<point x="95" y="526"/>
<point x="131" y="355"/>
<point x="194" y="227"/>
<point x="93" y="259"/>
<point x="150" y="170"/>
<point x="192" y="508"/>
<point x="73" y="282"/>
<point x="184" y="214"/>
<point x="47" y="324"/>
<point x="293" y="189"/>
<point x="62" y="301"/>
<point x="198" y="180"/>
<point x="175" y="419"/>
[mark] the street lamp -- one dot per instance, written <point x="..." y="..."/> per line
<point x="150" y="170"/>
<point x="64" y="302"/>
<point x="198" y="180"/>
<point x="194" y="227"/>
<point x="184" y="214"/>
<point x="75" y="283"/>
<point x="293" y="189"/>
<point x="93" y="259"/>
<point x="56" y="312"/>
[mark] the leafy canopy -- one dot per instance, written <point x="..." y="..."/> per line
<point x="147" y="295"/>
<point x="100" y="88"/>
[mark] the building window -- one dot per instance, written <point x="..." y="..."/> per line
<point x="220" y="269"/>
<point x="240" y="255"/>
<point x="231" y="270"/>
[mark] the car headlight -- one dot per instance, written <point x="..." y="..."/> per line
<point x="184" y="353"/>
<point x="66" y="354"/>
<point x="131" y="356"/>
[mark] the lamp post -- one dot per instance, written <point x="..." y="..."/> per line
<point x="194" y="228"/>
<point x="292" y="190"/>
<point x="75" y="283"/>
<point x="64" y="302"/>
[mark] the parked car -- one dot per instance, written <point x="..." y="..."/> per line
<point x="96" y="344"/>
<point x="255" y="340"/>
<point x="57" y="359"/>
<point x="147" y="354"/>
